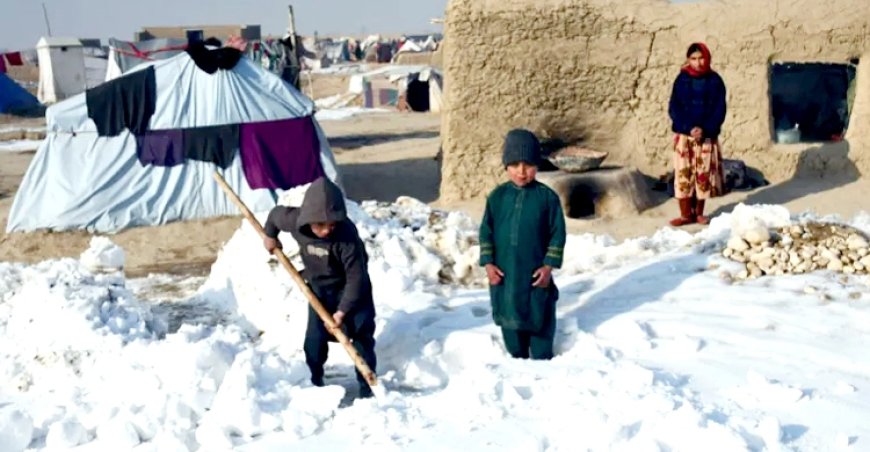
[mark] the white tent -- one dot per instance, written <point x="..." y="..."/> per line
<point x="80" y="180"/>
<point x="61" y="69"/>
<point x="421" y="86"/>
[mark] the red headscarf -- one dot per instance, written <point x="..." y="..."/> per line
<point x="705" y="52"/>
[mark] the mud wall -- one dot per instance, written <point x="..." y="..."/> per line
<point x="601" y="72"/>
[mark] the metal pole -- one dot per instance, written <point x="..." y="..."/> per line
<point x="45" y="15"/>
<point x="292" y="26"/>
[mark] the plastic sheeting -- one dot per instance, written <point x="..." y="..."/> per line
<point x="13" y="97"/>
<point x="79" y="180"/>
<point x="188" y="97"/>
<point x="125" y="55"/>
<point x="97" y="183"/>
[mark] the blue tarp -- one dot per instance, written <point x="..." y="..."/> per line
<point x="13" y="97"/>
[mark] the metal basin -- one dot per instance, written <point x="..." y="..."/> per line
<point x="575" y="159"/>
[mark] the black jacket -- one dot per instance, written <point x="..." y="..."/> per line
<point x="698" y="102"/>
<point x="336" y="264"/>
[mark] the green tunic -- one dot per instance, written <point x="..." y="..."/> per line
<point x="523" y="228"/>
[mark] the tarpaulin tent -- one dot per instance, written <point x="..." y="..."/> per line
<point x="13" y="97"/>
<point x="83" y="177"/>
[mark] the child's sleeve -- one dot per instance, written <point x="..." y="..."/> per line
<point x="279" y="219"/>
<point x="353" y="260"/>
<point x="487" y="246"/>
<point x="556" y="245"/>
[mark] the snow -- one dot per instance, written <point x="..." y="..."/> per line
<point x="103" y="255"/>
<point x="342" y="69"/>
<point x="342" y="113"/>
<point x="19" y="145"/>
<point x="655" y="350"/>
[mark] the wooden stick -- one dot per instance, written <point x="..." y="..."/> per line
<point x="312" y="299"/>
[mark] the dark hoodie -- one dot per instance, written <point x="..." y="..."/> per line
<point x="336" y="266"/>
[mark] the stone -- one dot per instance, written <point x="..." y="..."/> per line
<point x="765" y="263"/>
<point x="756" y="235"/>
<point x="728" y="252"/>
<point x="835" y="265"/>
<point x="807" y="252"/>
<point x="737" y="244"/>
<point x="856" y="242"/>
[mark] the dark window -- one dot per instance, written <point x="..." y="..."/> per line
<point x="811" y="102"/>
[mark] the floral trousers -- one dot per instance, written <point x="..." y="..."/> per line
<point x="697" y="168"/>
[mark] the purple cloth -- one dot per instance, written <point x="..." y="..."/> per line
<point x="280" y="154"/>
<point x="160" y="147"/>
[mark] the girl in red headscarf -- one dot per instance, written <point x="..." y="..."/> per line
<point x="697" y="110"/>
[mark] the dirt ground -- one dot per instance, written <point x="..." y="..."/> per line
<point x="381" y="156"/>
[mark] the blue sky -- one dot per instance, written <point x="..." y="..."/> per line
<point x="22" y="23"/>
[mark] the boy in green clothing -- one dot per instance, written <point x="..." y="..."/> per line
<point x="522" y="236"/>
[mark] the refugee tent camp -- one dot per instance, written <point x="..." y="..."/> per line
<point x="141" y="149"/>
<point x="13" y="97"/>
<point x="61" y="69"/>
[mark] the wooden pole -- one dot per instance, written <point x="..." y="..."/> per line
<point x="312" y="299"/>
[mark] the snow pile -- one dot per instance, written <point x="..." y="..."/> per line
<point x="412" y="248"/>
<point x="103" y="255"/>
<point x="413" y="242"/>
<point x="83" y="361"/>
<point x="655" y="351"/>
<point x="335" y="101"/>
<point x="19" y="145"/>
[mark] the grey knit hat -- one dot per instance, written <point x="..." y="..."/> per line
<point x="520" y="145"/>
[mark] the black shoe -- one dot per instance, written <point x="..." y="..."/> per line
<point x="365" y="392"/>
<point x="317" y="381"/>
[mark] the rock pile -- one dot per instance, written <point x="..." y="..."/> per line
<point x="799" y="249"/>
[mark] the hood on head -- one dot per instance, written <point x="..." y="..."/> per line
<point x="323" y="203"/>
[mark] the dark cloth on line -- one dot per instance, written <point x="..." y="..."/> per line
<point x="280" y="154"/>
<point x="216" y="144"/>
<point x="127" y="102"/>
<point x="160" y="147"/>
<point x="212" y="60"/>
<point x="14" y="58"/>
